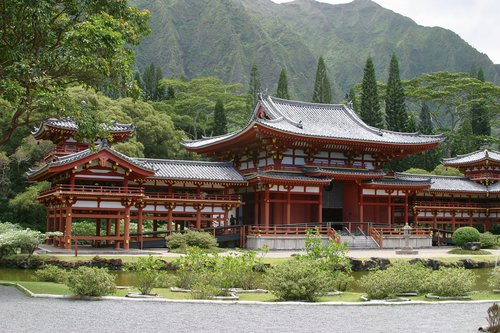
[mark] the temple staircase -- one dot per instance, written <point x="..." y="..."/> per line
<point x="359" y="242"/>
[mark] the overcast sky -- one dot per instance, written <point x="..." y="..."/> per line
<point x="476" y="21"/>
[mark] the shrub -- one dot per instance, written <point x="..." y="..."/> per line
<point x="12" y="238"/>
<point x="332" y="256"/>
<point x="450" y="282"/>
<point x="51" y="273"/>
<point x="465" y="235"/>
<point x="494" y="279"/>
<point x="200" y="239"/>
<point x="166" y="280"/>
<point x="91" y="281"/>
<point x="299" y="278"/>
<point x="493" y="318"/>
<point x="341" y="281"/>
<point x="192" y="266"/>
<point x="399" y="278"/>
<point x="147" y="271"/>
<point x="488" y="240"/>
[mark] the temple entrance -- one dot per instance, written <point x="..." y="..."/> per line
<point x="332" y="214"/>
<point x="333" y="202"/>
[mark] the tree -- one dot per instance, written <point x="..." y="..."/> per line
<point x="370" y="106"/>
<point x="253" y="86"/>
<point x="220" y="120"/>
<point x="46" y="46"/>
<point x="282" y="91"/>
<point x="322" y="88"/>
<point x="425" y="123"/>
<point x="395" y="108"/>
<point x="353" y="98"/>
<point x="480" y="118"/>
<point x="151" y="88"/>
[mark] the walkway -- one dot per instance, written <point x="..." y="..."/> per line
<point x="19" y="313"/>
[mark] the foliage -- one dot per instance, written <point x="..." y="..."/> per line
<point x="471" y="252"/>
<point x="282" y="90"/>
<point x="332" y="256"/>
<point x="465" y="235"/>
<point x="399" y="278"/>
<point x="488" y="240"/>
<point x="51" y="273"/>
<point x="220" y="120"/>
<point x="193" y="106"/>
<point x="200" y="239"/>
<point x="193" y="266"/>
<point x="369" y="106"/>
<point x="450" y="282"/>
<point x="147" y="272"/>
<point x="13" y="238"/>
<point x="27" y="209"/>
<point x="494" y="318"/>
<point x="322" y="92"/>
<point x="494" y="279"/>
<point x="425" y="125"/>
<point x="91" y="281"/>
<point x="442" y="170"/>
<point x="150" y="83"/>
<point x="50" y="45"/>
<point x="418" y="171"/>
<point x="395" y="107"/>
<point x="254" y="86"/>
<point x="300" y="278"/>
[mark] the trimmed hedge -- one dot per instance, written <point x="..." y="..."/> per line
<point x="91" y="281"/>
<point x="465" y="235"/>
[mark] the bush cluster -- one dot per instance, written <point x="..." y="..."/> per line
<point x="465" y="235"/>
<point x="404" y="277"/>
<point x="147" y="271"/>
<point x="494" y="279"/>
<point x="488" y="240"/>
<point x="203" y="240"/>
<point x="12" y="237"/>
<point x="51" y="273"/>
<point x="91" y="281"/>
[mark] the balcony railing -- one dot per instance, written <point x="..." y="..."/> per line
<point x="94" y="189"/>
<point x="192" y="196"/>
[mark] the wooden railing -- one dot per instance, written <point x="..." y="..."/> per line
<point x="378" y="234"/>
<point x="94" y="189"/>
<point x="449" y="204"/>
<point x="291" y="231"/>
<point x="193" y="196"/>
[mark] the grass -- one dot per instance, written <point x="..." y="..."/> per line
<point x="471" y="252"/>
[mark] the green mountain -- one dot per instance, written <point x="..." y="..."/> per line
<point x="224" y="37"/>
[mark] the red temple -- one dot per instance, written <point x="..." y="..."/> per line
<point x="294" y="163"/>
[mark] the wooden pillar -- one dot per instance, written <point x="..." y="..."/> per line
<point x="320" y="205"/>
<point x="155" y="227"/>
<point x="126" y="229"/>
<point x="389" y="208"/>
<point x="453" y="221"/>
<point x="117" y="232"/>
<point x="108" y="230"/>
<point x="72" y="180"/>
<point x="67" y="228"/>
<point x="139" y="226"/>
<point x="406" y="207"/>
<point x="361" y="206"/>
<point x="198" y="217"/>
<point x="98" y="230"/>
<point x="256" y="208"/>
<point x="266" y="206"/>
<point x="288" y="205"/>
<point x="435" y="213"/>
<point x="169" y="219"/>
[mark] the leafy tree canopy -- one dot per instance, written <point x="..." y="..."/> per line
<point x="46" y="46"/>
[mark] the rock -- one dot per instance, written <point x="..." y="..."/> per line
<point x="472" y="246"/>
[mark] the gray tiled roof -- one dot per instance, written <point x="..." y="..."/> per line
<point x="69" y="124"/>
<point x="477" y="156"/>
<point x="495" y="188"/>
<point x="193" y="170"/>
<point x="82" y="154"/>
<point x="285" y="176"/>
<point x="400" y="182"/>
<point x="345" y="171"/>
<point x="333" y="121"/>
<point x="447" y="183"/>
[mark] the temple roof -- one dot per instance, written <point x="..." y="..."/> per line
<point x="328" y="121"/>
<point x="446" y="183"/>
<point x="193" y="170"/>
<point x="473" y="158"/>
<point x="295" y="177"/>
<point x="338" y="173"/>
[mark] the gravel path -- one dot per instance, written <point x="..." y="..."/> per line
<point x="19" y="313"/>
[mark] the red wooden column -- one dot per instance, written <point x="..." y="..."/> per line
<point x="435" y="213"/>
<point x="126" y="229"/>
<point x="139" y="223"/>
<point x="170" y="206"/>
<point x="288" y="203"/>
<point x="320" y="205"/>
<point x="117" y="232"/>
<point x="108" y="230"/>
<point x="361" y="206"/>
<point x="67" y="228"/>
<point x="198" y="208"/>
<point x="406" y="207"/>
<point x="98" y="230"/>
<point x="453" y="213"/>
<point x="266" y="206"/>
<point x="47" y="223"/>
<point x="389" y="206"/>
<point x="256" y="207"/>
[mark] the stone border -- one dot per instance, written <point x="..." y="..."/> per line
<point x="26" y="291"/>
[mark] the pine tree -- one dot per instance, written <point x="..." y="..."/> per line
<point x="480" y="119"/>
<point x="322" y="87"/>
<point x="395" y="109"/>
<point x="370" y="106"/>
<point x="220" y="120"/>
<point x="282" y="91"/>
<point x="151" y="88"/>
<point x="170" y="93"/>
<point x="254" y="86"/>
<point x="353" y="98"/>
<point x="425" y="124"/>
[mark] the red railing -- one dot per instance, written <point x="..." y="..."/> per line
<point x="399" y="231"/>
<point x="291" y="231"/>
<point x="193" y="196"/>
<point x="66" y="188"/>
<point x="448" y="204"/>
<point x="377" y="237"/>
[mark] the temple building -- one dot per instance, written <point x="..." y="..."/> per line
<point x="294" y="163"/>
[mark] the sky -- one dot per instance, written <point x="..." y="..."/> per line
<point x="476" y="21"/>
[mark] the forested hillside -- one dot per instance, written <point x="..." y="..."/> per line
<point x="224" y="37"/>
